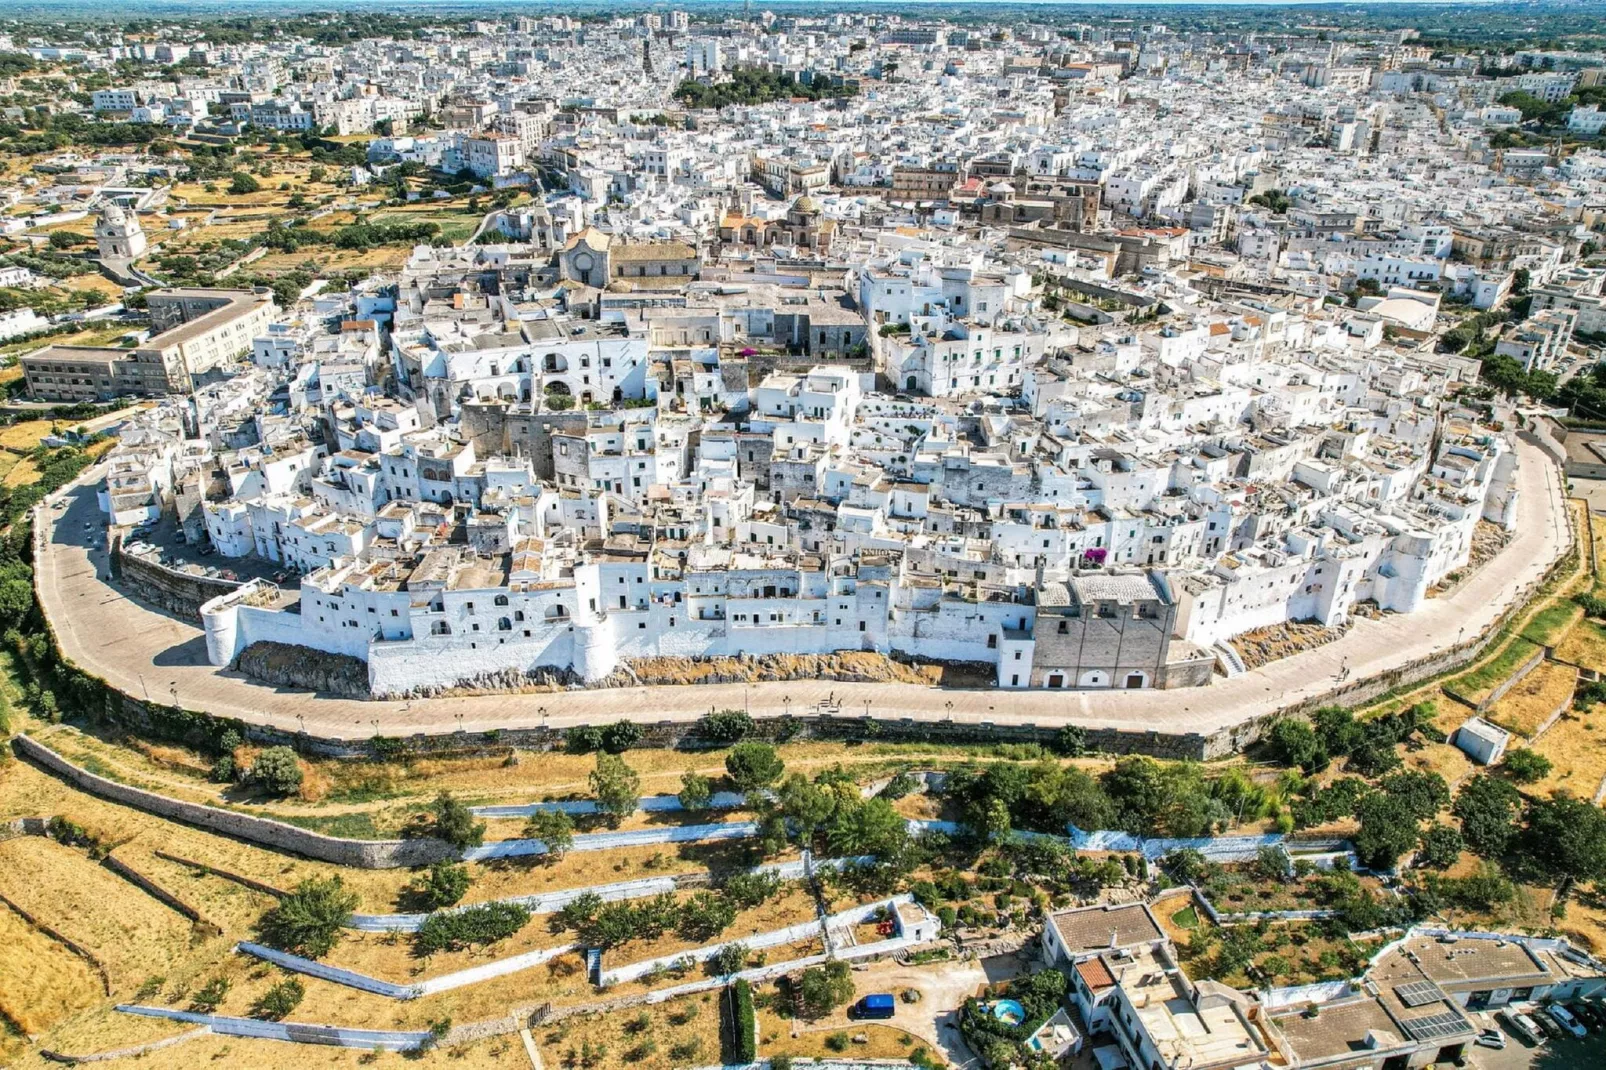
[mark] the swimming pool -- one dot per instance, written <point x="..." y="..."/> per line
<point x="1009" y="1011"/>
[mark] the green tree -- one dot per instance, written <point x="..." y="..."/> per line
<point x="616" y="787"/>
<point x="1424" y="794"/>
<point x="696" y="791"/>
<point x="1488" y="809"/>
<point x="732" y="958"/>
<point x="871" y="827"/>
<point x="704" y="916"/>
<point x="821" y="989"/>
<point x="1565" y="838"/>
<point x="805" y="804"/>
<point x="1388" y="829"/>
<point x="753" y="765"/>
<point x="1440" y="847"/>
<point x="277" y="771"/>
<point x="1294" y="742"/>
<point x="555" y="828"/>
<point x="242" y="182"/>
<point x="308" y="920"/>
<point x="442" y="885"/>
<point x="726" y="726"/>
<point x="454" y="822"/>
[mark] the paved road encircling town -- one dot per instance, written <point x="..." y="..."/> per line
<point x="144" y="651"/>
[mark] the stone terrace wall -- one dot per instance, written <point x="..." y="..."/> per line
<point x="362" y="854"/>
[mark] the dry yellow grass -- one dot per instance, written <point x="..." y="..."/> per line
<point x="22" y="472"/>
<point x="1577" y="753"/>
<point x="130" y="932"/>
<point x="24" y="434"/>
<point x="96" y="283"/>
<point x="639" y="1038"/>
<point x="1535" y="697"/>
<point x="1448" y="761"/>
<point x="44" y="982"/>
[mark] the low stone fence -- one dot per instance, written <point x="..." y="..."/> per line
<point x="65" y="941"/>
<point x="125" y="1053"/>
<point x="1533" y="662"/>
<point x="160" y="894"/>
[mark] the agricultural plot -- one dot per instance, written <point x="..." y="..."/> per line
<point x="126" y="929"/>
<point x="1476" y="685"/>
<point x="1534" y="699"/>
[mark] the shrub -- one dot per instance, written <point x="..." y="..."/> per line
<point x="726" y="726"/>
<point x="277" y="771"/>
<point x="455" y="930"/>
<point x="280" y="1000"/>
<point x="455" y="823"/>
<point x="443" y="885"/>
<point x="243" y="183"/>
<point x="821" y="989"/>
<point x="308" y="920"/>
<point x="837" y="1042"/>
<point x="742" y="1022"/>
<point x="210" y="995"/>
<point x="620" y="736"/>
<point x="747" y="890"/>
<point x="1526" y="766"/>
<point x="704" y="916"/>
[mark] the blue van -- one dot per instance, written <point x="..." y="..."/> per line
<point x="877" y="1005"/>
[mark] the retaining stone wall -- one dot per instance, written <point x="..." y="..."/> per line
<point x="362" y="854"/>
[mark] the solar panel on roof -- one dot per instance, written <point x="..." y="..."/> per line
<point x="1418" y="993"/>
<point x="1435" y="1026"/>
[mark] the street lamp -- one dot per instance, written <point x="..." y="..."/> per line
<point x="459" y="717"/>
<point x="301" y="720"/>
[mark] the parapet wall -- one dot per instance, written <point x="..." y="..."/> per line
<point x="182" y="593"/>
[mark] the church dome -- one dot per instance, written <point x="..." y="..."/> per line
<point x="805" y="203"/>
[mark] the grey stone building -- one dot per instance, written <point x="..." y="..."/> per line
<point x="1103" y="630"/>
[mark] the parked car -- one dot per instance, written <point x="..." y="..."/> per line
<point x="1522" y="1027"/>
<point x="876" y="1005"/>
<point x="1567" y="1020"/>
<point x="1491" y="1038"/>
<point x="1585" y="1014"/>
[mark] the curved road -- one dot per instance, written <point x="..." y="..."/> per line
<point x="142" y="650"/>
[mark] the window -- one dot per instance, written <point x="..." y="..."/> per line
<point x="992" y="642"/>
<point x="501" y="600"/>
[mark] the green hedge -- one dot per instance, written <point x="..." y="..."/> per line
<point x="743" y="1049"/>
